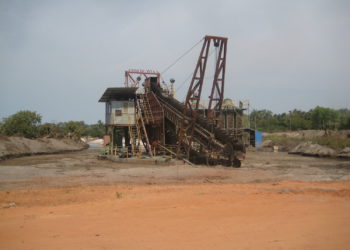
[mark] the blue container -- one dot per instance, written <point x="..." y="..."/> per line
<point x="258" y="138"/>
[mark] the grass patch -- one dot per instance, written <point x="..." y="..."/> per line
<point x="280" y="138"/>
<point x="337" y="143"/>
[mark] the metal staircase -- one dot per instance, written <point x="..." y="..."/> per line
<point x="135" y="140"/>
<point x="146" y="109"/>
<point x="140" y="123"/>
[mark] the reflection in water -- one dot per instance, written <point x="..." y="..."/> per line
<point x="95" y="146"/>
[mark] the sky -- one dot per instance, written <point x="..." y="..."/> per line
<point x="58" y="57"/>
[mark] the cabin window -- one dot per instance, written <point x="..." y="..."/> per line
<point x="118" y="112"/>
<point x="108" y="108"/>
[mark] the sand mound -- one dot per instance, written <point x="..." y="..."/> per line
<point x="345" y="153"/>
<point x="313" y="149"/>
<point x="18" y="146"/>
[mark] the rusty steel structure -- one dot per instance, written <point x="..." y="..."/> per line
<point x="133" y="76"/>
<point x="217" y="89"/>
<point x="183" y="130"/>
<point x="209" y="144"/>
<point x="190" y="114"/>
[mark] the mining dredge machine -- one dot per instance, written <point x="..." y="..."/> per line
<point x="194" y="136"/>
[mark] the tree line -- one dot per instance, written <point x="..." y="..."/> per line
<point x="28" y="124"/>
<point x="318" y="118"/>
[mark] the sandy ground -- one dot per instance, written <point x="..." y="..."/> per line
<point x="74" y="201"/>
<point x="84" y="168"/>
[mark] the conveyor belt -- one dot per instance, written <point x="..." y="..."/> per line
<point x="211" y="145"/>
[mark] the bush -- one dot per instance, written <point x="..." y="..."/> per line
<point x="73" y="129"/>
<point x="95" y="130"/>
<point x="27" y="124"/>
<point x="23" y="123"/>
<point x="50" y="130"/>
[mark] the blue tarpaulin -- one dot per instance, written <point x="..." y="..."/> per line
<point x="258" y="138"/>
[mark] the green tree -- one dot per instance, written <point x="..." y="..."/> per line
<point x="261" y="119"/>
<point x="299" y="120"/>
<point x="50" y="130"/>
<point x="96" y="130"/>
<point x="323" y="118"/>
<point x="23" y="123"/>
<point x="344" y="118"/>
<point x="263" y="114"/>
<point x="73" y="128"/>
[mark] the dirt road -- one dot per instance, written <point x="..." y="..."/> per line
<point x="275" y="201"/>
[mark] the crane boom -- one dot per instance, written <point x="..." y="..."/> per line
<point x="185" y="133"/>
